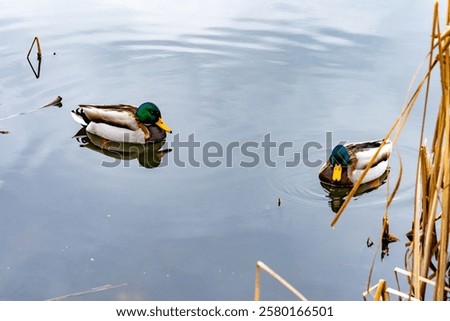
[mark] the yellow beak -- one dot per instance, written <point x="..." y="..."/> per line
<point x="337" y="172"/>
<point x="161" y="124"/>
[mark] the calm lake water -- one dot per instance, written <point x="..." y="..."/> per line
<point x="232" y="79"/>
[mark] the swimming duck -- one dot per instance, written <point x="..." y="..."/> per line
<point x="123" y="123"/>
<point x="347" y="162"/>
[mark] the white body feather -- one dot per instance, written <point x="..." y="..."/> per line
<point x="116" y="134"/>
<point x="364" y="156"/>
<point x="372" y="174"/>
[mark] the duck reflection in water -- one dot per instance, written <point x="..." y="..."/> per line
<point x="149" y="155"/>
<point x="337" y="195"/>
<point x="123" y="131"/>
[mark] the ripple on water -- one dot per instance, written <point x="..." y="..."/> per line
<point x="301" y="185"/>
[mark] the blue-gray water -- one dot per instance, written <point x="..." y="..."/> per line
<point x="224" y="73"/>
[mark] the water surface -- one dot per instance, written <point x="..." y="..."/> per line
<point x="226" y="73"/>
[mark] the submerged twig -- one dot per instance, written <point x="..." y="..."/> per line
<point x="93" y="290"/>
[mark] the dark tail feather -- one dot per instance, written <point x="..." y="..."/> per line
<point x="80" y="117"/>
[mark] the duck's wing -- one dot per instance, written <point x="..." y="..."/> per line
<point x="362" y="153"/>
<point x="115" y="115"/>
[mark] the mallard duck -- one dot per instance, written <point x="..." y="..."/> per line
<point x="347" y="162"/>
<point x="123" y="123"/>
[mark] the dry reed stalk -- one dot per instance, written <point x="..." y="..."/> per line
<point x="261" y="266"/>
<point x="428" y="249"/>
<point x="381" y="293"/>
<point x="444" y="260"/>
<point x="432" y="199"/>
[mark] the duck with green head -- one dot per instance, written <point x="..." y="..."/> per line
<point x="123" y="123"/>
<point x="347" y="162"/>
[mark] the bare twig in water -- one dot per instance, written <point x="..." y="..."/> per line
<point x="39" y="51"/>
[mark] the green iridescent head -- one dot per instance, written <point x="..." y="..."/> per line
<point x="340" y="156"/>
<point x="148" y="113"/>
